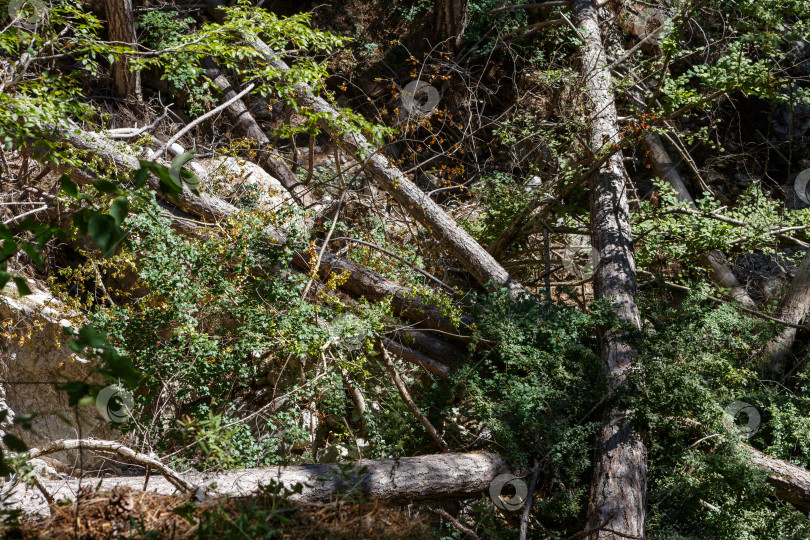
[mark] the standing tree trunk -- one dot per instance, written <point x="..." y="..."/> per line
<point x="794" y="307"/>
<point x="450" y="20"/>
<point x="617" y="504"/>
<point x="121" y="25"/>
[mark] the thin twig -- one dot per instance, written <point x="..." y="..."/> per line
<point x="406" y="397"/>
<point x="455" y="523"/>
<point x="34" y="211"/>
<point x="527" y="508"/>
<point x="202" y="118"/>
<point x="317" y="265"/>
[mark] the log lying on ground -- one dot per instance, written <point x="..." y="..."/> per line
<point x="721" y="272"/>
<point x="395" y="481"/>
<point x="469" y="253"/>
<point x="618" y="490"/>
<point x="792" y="483"/>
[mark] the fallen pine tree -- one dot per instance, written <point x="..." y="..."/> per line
<point x="394" y="481"/>
<point x="420" y="479"/>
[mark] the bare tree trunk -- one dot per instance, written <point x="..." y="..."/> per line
<point x="271" y="162"/>
<point x="618" y="492"/>
<point x="398" y="481"/>
<point x="794" y="307"/>
<point x="451" y="19"/>
<point x="720" y="268"/>
<point x="792" y="483"/>
<point x="121" y="25"/>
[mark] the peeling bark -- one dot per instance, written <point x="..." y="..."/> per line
<point x="618" y="492"/>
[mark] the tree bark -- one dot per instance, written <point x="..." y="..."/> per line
<point x="618" y="492"/>
<point x="396" y="481"/>
<point x="121" y="26"/>
<point x="794" y="307"/>
<point x="720" y="269"/>
<point x="792" y="483"/>
<point x="271" y="162"/>
<point x="469" y="253"/>
<point x="451" y="19"/>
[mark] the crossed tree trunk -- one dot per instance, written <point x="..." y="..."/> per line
<point x="617" y="504"/>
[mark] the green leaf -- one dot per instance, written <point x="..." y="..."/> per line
<point x="90" y="337"/>
<point x="14" y="444"/>
<point x="69" y="186"/>
<point x="106" y="233"/>
<point x="121" y="367"/>
<point x="176" y="171"/>
<point x="34" y="254"/>
<point x="191" y="180"/>
<point x="81" y="219"/>
<point x="9" y="248"/>
<point x="4" y="278"/>
<point x="22" y="286"/>
<point x="168" y="185"/>
<point x="141" y="177"/>
<point x="119" y="209"/>
<point x="105" y="186"/>
<point x="182" y="159"/>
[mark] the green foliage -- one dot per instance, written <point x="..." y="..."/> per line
<point x="504" y="200"/>
<point x="675" y="232"/>
<point x="34" y="103"/>
<point x="166" y="30"/>
<point x="534" y="393"/>
<point x="696" y="362"/>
